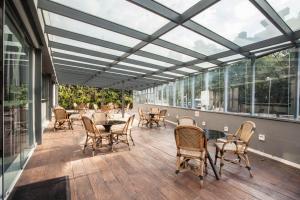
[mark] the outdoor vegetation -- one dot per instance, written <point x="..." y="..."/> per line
<point x="69" y="94"/>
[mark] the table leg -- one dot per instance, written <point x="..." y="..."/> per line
<point x="213" y="166"/>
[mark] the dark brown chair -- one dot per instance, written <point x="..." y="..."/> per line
<point x="236" y="144"/>
<point x="93" y="134"/>
<point x="191" y="145"/>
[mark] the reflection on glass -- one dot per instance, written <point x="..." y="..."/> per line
<point x="289" y="11"/>
<point x="17" y="136"/>
<point x="191" y="40"/>
<point x="275" y="80"/>
<point x="239" y="87"/>
<point x="238" y="21"/>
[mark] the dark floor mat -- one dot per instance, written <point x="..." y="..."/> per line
<point x="58" y="189"/>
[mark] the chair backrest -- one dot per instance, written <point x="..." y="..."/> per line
<point x="87" y="106"/>
<point x="129" y="124"/>
<point x="185" y="120"/>
<point x="89" y="125"/>
<point x="190" y="138"/>
<point x="245" y="132"/>
<point x="154" y="110"/>
<point x="99" y="117"/>
<point x="75" y="106"/>
<point x="163" y="113"/>
<point x="60" y="113"/>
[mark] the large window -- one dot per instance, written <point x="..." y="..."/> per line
<point x="275" y="82"/>
<point x="268" y="91"/>
<point x="239" y="87"/>
<point x="216" y="89"/>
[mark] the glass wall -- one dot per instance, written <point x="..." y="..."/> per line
<point x="273" y="78"/>
<point x="275" y="83"/>
<point x="239" y="87"/>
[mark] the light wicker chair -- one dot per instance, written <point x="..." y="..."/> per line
<point x="154" y="110"/>
<point x="186" y="120"/>
<point x="61" y="117"/>
<point x="95" y="106"/>
<point x="191" y="146"/>
<point x="144" y="119"/>
<point x="237" y="144"/>
<point x="78" y="116"/>
<point x="94" y="135"/>
<point x="161" y="117"/>
<point x="99" y="117"/>
<point x="123" y="134"/>
<point x="75" y="106"/>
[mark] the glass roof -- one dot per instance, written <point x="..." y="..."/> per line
<point x="289" y="11"/>
<point x="129" y="31"/>
<point x="84" y="45"/>
<point x="178" y="5"/>
<point x="89" y="30"/>
<point x="191" y="40"/>
<point x="238" y="21"/>
<point x="152" y="48"/>
<point x="121" y="12"/>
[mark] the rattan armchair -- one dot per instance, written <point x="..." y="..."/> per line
<point x="61" y="117"/>
<point x="99" y="117"/>
<point x="94" y="135"/>
<point x="237" y="144"/>
<point x="186" y="120"/>
<point x="124" y="134"/>
<point x="161" y="117"/>
<point x="144" y="119"/>
<point x="77" y="116"/>
<point x="154" y="110"/>
<point x="191" y="145"/>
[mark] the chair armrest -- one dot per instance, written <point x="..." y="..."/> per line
<point x="230" y="136"/>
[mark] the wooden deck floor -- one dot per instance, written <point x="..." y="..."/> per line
<point x="147" y="171"/>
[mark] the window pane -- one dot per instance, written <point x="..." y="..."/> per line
<point x="120" y="12"/>
<point x="199" y="87"/>
<point x="187" y="92"/>
<point x="238" y="21"/>
<point x="152" y="48"/>
<point x="87" y="29"/>
<point x="171" y="94"/>
<point x="288" y="10"/>
<point x="178" y="5"/>
<point x="191" y="40"/>
<point x="274" y="84"/>
<point x="178" y="93"/>
<point x="216" y="89"/>
<point x="239" y="87"/>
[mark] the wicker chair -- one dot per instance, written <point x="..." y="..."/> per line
<point x="237" y="144"/>
<point x="95" y="107"/>
<point x="75" y="106"/>
<point x="77" y="116"/>
<point x="61" y="117"/>
<point x="154" y="110"/>
<point x="161" y="117"/>
<point x="185" y="120"/>
<point x="191" y="145"/>
<point x="93" y="134"/>
<point x="122" y="135"/>
<point x="144" y="120"/>
<point x="99" y="117"/>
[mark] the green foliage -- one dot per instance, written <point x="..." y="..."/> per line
<point x="69" y="94"/>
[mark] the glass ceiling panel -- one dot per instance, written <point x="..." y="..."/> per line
<point x="152" y="48"/>
<point x="174" y="74"/>
<point x="289" y="11"/>
<point x="75" y="61"/>
<point x="162" y="77"/>
<point x="137" y="66"/>
<point x="84" y="45"/>
<point x="149" y="60"/>
<point x="87" y="29"/>
<point x="238" y="21"/>
<point x="191" y="40"/>
<point x="229" y="58"/>
<point x="80" y="55"/>
<point x="205" y="65"/>
<point x="185" y="69"/>
<point x="178" y="5"/>
<point x="78" y="67"/>
<point x="125" y="70"/>
<point x="275" y="45"/>
<point x="120" y="12"/>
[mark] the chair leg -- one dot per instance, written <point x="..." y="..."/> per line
<point x="94" y="147"/>
<point x="85" y="144"/>
<point x="248" y="164"/>
<point x="216" y="155"/>
<point x="221" y="162"/>
<point x="177" y="164"/>
<point x="131" y="138"/>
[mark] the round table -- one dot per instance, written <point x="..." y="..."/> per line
<point x="108" y="124"/>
